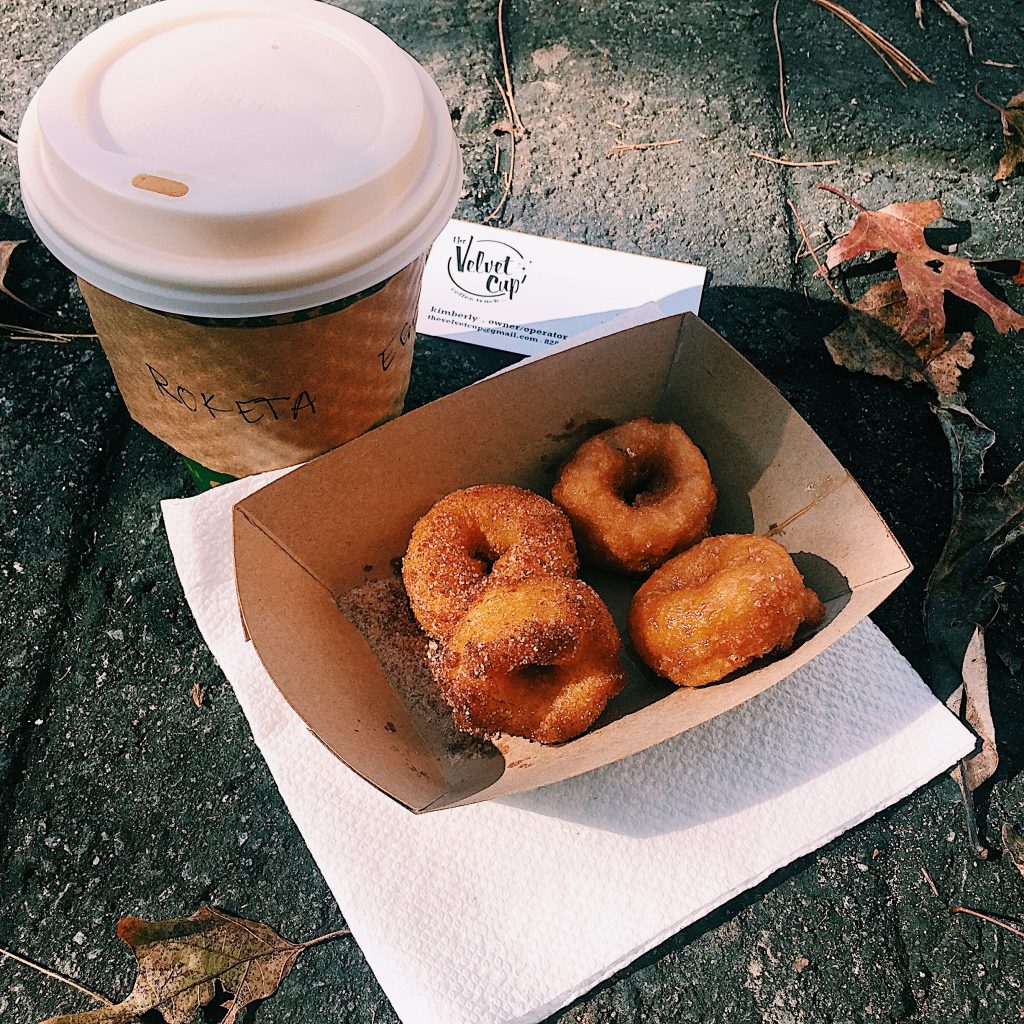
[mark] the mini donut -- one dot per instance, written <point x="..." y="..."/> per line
<point x="636" y="494"/>
<point x="718" y="606"/>
<point x="475" y="538"/>
<point x="538" y="659"/>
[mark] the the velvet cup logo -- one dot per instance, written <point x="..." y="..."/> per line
<point x="484" y="268"/>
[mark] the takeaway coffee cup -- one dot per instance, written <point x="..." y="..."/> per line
<point x="246" y="190"/>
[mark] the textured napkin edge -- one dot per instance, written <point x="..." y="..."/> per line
<point x="178" y="540"/>
<point x="891" y="798"/>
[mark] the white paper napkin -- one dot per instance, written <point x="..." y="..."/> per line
<point x="505" y="911"/>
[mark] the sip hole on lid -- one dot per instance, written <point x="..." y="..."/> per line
<point x="159" y="184"/>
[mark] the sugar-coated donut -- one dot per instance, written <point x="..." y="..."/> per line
<point x="476" y="538"/>
<point x="636" y="494"/>
<point x="538" y="659"/>
<point x="718" y="606"/>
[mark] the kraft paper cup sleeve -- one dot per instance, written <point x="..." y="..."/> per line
<point x="245" y="399"/>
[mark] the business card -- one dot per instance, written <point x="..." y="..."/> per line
<point x="522" y="293"/>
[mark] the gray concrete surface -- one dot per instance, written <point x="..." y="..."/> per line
<point x="119" y="796"/>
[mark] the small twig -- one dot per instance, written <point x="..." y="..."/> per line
<point x="999" y="64"/>
<point x="46" y="334"/>
<point x="842" y="195"/>
<point x="950" y="12"/>
<point x="985" y="100"/>
<point x="515" y="122"/>
<point x="507" y="185"/>
<point x="506" y="191"/>
<point x="828" y="241"/>
<point x="18" y="333"/>
<point x="4" y="137"/>
<point x="325" y="938"/>
<point x="782" y="70"/>
<point x="991" y="920"/>
<point x="58" y="977"/>
<point x="514" y="117"/>
<point x="793" y="163"/>
<point x="807" y="242"/>
<point x="931" y="884"/>
<point x="965" y="26"/>
<point x="629" y="147"/>
<point x="969" y="813"/>
<point x="506" y="101"/>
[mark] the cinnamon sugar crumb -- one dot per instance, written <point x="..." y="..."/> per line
<point x="379" y="609"/>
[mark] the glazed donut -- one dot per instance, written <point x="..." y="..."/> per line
<point x="636" y="494"/>
<point x="478" y="537"/>
<point x="538" y="659"/>
<point x="718" y="606"/>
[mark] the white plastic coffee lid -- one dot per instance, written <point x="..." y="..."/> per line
<point x="231" y="158"/>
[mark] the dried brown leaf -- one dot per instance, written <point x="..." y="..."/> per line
<point x="6" y="252"/>
<point x="961" y="598"/>
<point x="870" y="340"/>
<point x="1013" y="845"/>
<point x="925" y="273"/>
<point x="1012" y="119"/>
<point x="970" y="701"/>
<point x="182" y="960"/>
<point x="944" y="369"/>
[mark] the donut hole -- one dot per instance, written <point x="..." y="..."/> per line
<point x="537" y="673"/>
<point x="644" y="483"/>
<point x="486" y="560"/>
<point x="484" y="555"/>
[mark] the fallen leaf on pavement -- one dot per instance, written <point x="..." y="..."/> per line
<point x="182" y="961"/>
<point x="1013" y="845"/>
<point x="970" y="701"/>
<point x="926" y="274"/>
<point x="6" y="252"/>
<point x="1013" y="138"/>
<point x="961" y="598"/>
<point x="1012" y="119"/>
<point x="869" y="341"/>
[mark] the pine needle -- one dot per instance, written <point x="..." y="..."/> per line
<point x="814" y="255"/>
<point x="630" y="147"/>
<point x="991" y="920"/>
<point x="58" y="977"/>
<point x="898" y="63"/>
<point x="784" y="103"/>
<point x="793" y="163"/>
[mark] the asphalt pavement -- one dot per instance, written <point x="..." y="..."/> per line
<point x="120" y="796"/>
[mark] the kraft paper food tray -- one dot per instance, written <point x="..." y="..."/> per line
<point x="307" y="539"/>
